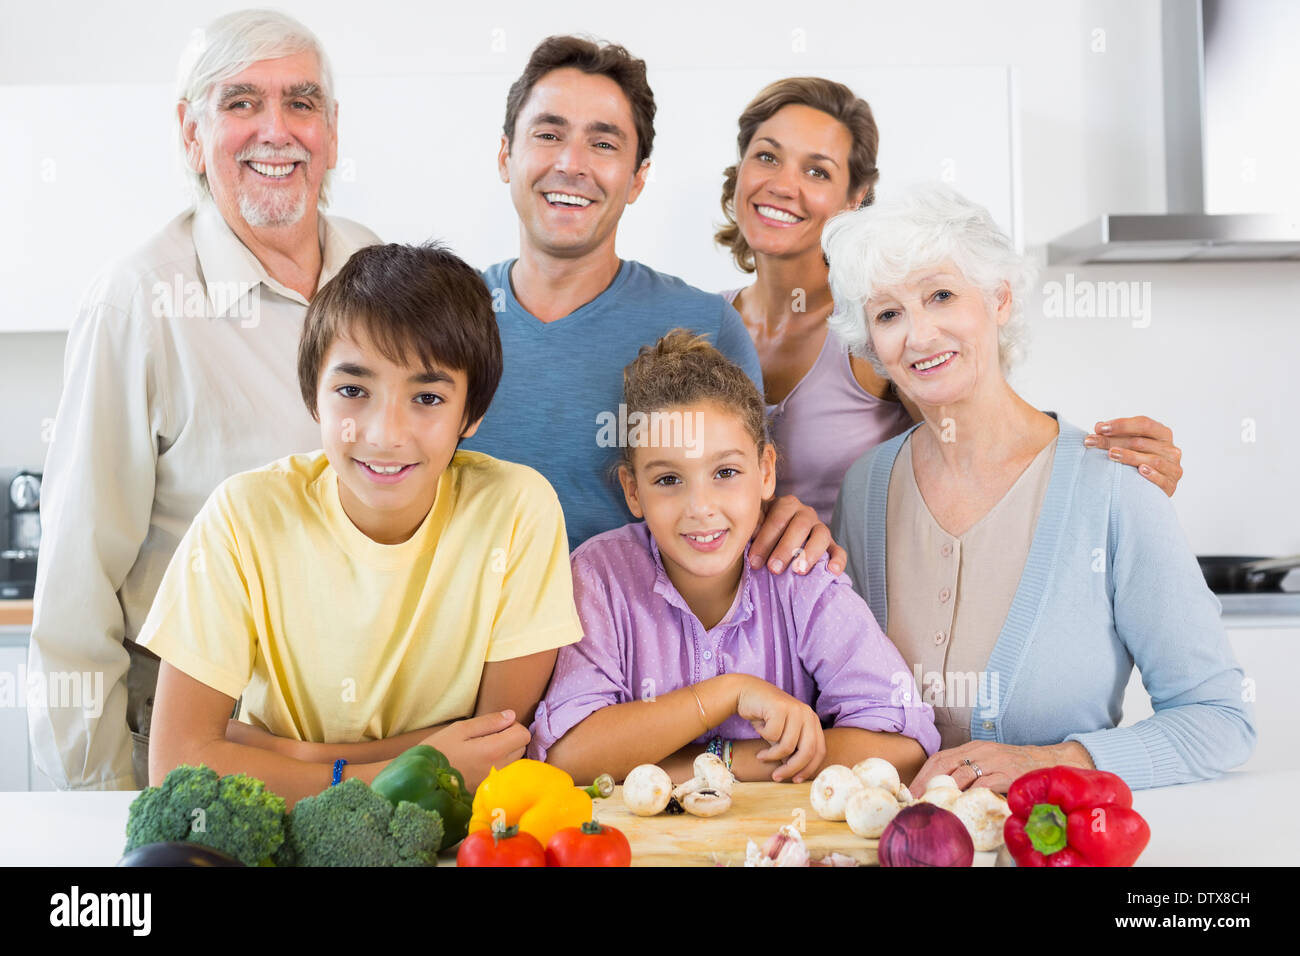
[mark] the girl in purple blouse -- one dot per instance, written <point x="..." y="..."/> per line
<point x="685" y="646"/>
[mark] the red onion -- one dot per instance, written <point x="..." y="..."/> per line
<point x="925" y="835"/>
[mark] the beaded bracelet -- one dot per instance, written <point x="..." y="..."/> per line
<point x="715" y="747"/>
<point x="726" y="753"/>
<point x="338" y="772"/>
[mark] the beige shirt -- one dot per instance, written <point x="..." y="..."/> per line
<point x="180" y="371"/>
<point x="949" y="595"/>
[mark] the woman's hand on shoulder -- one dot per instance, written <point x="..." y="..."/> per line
<point x="792" y="535"/>
<point x="792" y="729"/>
<point x="1145" y="444"/>
<point x="1000" y="765"/>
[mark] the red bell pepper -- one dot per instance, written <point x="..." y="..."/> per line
<point x="1067" y="816"/>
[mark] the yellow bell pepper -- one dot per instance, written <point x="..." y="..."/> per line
<point x="536" y="797"/>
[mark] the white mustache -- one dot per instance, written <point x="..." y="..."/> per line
<point x="262" y="154"/>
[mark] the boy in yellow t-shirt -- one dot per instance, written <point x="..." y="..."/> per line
<point x="385" y="591"/>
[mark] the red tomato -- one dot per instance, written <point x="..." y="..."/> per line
<point x="500" y="847"/>
<point x="588" y="845"/>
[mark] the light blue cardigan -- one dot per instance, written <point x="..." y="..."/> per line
<point x="1110" y="581"/>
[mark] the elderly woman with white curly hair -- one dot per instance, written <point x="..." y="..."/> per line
<point x="1020" y="573"/>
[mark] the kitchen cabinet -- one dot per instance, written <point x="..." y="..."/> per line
<point x="13" y="713"/>
<point x="17" y="768"/>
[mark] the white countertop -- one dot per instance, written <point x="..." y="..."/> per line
<point x="1234" y="820"/>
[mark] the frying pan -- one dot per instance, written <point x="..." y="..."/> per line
<point x="1231" y="574"/>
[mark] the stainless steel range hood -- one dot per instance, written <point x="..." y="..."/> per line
<point x="1231" y="91"/>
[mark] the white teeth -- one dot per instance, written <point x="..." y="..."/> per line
<point x="384" y="469"/>
<point x="705" y="540"/>
<point x="778" y="214"/>
<point x="566" y="198"/>
<point x="937" y="360"/>
<point x="267" y="170"/>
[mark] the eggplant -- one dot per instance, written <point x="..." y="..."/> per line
<point x="177" y="854"/>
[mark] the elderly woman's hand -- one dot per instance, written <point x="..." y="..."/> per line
<point x="1145" y="444"/>
<point x="1000" y="764"/>
<point x="792" y="534"/>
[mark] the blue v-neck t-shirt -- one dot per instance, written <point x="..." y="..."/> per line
<point x="557" y="407"/>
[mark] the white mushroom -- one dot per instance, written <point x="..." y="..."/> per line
<point x="905" y="796"/>
<point x="940" y="796"/>
<point x="716" y="775"/>
<point x="878" y="772"/>
<point x="710" y="774"/>
<point x="706" y="803"/>
<point x="983" y="812"/>
<point x="831" y="791"/>
<point x="647" y="790"/>
<point x="869" y="811"/>
<point x="942" y="780"/>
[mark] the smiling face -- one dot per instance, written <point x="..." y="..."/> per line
<point x="937" y="336"/>
<point x="389" y="431"/>
<point x="265" y="142"/>
<point x="793" y="177"/>
<point x="572" y="166"/>
<point x="701" y="500"/>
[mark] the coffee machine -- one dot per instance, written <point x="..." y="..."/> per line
<point x="20" y="536"/>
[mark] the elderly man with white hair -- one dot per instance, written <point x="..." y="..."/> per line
<point x="181" y="371"/>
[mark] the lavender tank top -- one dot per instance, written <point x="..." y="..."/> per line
<point x="826" y="423"/>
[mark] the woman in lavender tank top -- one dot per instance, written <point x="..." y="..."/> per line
<point x="807" y="151"/>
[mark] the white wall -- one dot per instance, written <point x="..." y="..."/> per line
<point x="1220" y="344"/>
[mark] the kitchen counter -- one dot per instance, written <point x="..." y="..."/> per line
<point x="1229" y="821"/>
<point x="16" y="614"/>
<point x="1239" y="610"/>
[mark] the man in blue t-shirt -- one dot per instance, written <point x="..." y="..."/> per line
<point x="577" y="137"/>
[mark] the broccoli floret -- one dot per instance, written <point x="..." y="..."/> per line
<point x="417" y="834"/>
<point x="351" y="825"/>
<point x="236" y="814"/>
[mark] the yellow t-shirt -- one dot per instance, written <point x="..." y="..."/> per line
<point x="274" y="594"/>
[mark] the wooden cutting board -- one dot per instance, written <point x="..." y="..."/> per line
<point x="757" y="811"/>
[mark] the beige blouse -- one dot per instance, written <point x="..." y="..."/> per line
<point x="948" y="596"/>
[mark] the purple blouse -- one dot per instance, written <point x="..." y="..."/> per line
<point x="810" y="635"/>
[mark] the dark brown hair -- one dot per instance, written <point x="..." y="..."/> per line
<point x="607" y="59"/>
<point x="421" y="306"/>
<point x="833" y="99"/>
<point x="682" y="368"/>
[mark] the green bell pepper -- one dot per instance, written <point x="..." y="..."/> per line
<point x="423" y="776"/>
